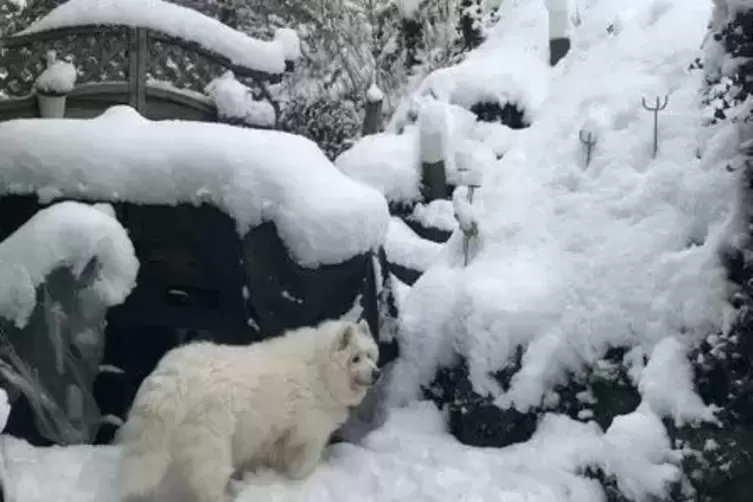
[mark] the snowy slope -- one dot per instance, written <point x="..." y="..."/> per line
<point x="570" y="261"/>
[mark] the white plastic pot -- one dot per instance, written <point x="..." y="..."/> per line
<point x="51" y="106"/>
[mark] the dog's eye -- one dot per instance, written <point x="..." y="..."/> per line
<point x="356" y="359"/>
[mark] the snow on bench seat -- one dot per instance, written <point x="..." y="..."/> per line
<point x="176" y="21"/>
<point x="66" y="234"/>
<point x="254" y="176"/>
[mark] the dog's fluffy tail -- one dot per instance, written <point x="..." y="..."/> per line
<point x="145" y="455"/>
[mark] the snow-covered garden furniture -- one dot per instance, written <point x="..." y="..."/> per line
<point x="240" y="233"/>
<point x="155" y="56"/>
<point x="59" y="273"/>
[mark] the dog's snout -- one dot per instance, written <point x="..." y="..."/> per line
<point x="375" y="374"/>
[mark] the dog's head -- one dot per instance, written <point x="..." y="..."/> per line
<point x="354" y="355"/>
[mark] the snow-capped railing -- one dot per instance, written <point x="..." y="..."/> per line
<point x="128" y="52"/>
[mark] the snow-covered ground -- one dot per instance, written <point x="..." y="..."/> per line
<point x="569" y="262"/>
<point x="411" y="458"/>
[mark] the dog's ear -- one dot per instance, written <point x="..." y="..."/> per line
<point x="364" y="326"/>
<point x="344" y="337"/>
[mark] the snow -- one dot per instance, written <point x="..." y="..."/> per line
<point x="665" y="384"/>
<point x="438" y="214"/>
<point x="464" y="212"/>
<point x="411" y="458"/>
<point x="406" y="248"/>
<point x="58" y="78"/>
<point x="570" y="263"/>
<point x="71" y="234"/>
<point x="235" y="101"/>
<point x="561" y="14"/>
<point x="374" y="94"/>
<point x="512" y="66"/>
<point x="408" y="8"/>
<point x="176" y="21"/>
<point x="393" y="171"/>
<point x="4" y="409"/>
<point x="391" y="162"/>
<point x="291" y="44"/>
<point x="253" y="175"/>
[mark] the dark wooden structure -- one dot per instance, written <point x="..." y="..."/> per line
<point x="160" y="76"/>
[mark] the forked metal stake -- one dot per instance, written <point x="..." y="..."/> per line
<point x="659" y="106"/>
<point x="589" y="141"/>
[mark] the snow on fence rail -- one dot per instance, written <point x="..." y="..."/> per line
<point x="133" y="43"/>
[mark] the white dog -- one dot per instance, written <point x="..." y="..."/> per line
<point x="209" y="411"/>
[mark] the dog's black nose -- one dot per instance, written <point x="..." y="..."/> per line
<point x="375" y="374"/>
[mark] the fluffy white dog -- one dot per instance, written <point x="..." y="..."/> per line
<point x="209" y="411"/>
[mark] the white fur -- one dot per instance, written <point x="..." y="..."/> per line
<point x="208" y="411"/>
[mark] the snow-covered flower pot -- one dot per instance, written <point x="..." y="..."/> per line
<point x="51" y="106"/>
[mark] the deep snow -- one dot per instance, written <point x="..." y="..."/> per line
<point x="569" y="262"/>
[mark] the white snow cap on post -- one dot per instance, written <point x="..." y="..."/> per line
<point x="290" y="43"/>
<point x="408" y="8"/>
<point x="434" y="132"/>
<point x="374" y="94"/>
<point x="4" y="410"/>
<point x="561" y="13"/>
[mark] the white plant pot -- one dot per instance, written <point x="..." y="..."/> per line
<point x="50" y="106"/>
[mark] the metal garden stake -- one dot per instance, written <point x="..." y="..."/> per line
<point x="473" y="231"/>
<point x="659" y="106"/>
<point x="589" y="141"/>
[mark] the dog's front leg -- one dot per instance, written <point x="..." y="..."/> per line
<point x="301" y="458"/>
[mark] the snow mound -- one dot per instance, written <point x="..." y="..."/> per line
<point x="66" y="234"/>
<point x="512" y="66"/>
<point x="176" y="21"/>
<point x="235" y="101"/>
<point x="571" y="261"/>
<point x="253" y="175"/>
<point x="406" y="248"/>
<point x="391" y="162"/>
<point x="412" y="457"/>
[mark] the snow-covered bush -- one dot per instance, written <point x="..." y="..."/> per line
<point x="329" y="123"/>
<point x="723" y="361"/>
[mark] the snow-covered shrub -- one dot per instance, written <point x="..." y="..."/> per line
<point x="723" y="362"/>
<point x="329" y="123"/>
